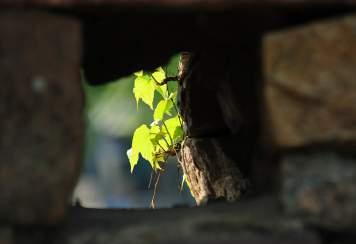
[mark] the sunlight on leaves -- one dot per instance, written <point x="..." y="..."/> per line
<point x="159" y="74"/>
<point x="144" y="90"/>
<point x="141" y="144"/>
<point x="156" y="142"/>
<point x="174" y="128"/>
<point x="163" y="107"/>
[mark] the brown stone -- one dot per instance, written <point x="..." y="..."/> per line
<point x="220" y="113"/>
<point x="320" y="187"/>
<point x="210" y="172"/>
<point x="41" y="121"/>
<point x="310" y="79"/>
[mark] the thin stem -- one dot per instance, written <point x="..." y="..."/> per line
<point x="156" y="81"/>
<point x="155" y="191"/>
<point x="181" y="162"/>
<point x="165" y="80"/>
<point x="168" y="92"/>
<point x="151" y="178"/>
<point x="160" y="146"/>
<point x="170" y="137"/>
<point x="175" y="108"/>
<point x="161" y="84"/>
<point x="164" y="139"/>
<point x="177" y="111"/>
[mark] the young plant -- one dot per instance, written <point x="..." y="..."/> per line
<point x="163" y="137"/>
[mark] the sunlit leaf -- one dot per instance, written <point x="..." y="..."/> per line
<point x="159" y="74"/>
<point x="163" y="107"/>
<point x="159" y="157"/>
<point x="133" y="158"/>
<point x="155" y="129"/>
<point x="144" y="89"/>
<point x="162" y="90"/>
<point x="157" y="142"/>
<point x="141" y="144"/>
<point x="158" y="137"/>
<point x="173" y="98"/>
<point x="139" y="73"/>
<point x="157" y="78"/>
<point x="174" y="128"/>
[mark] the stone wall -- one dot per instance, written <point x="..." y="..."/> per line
<point x="41" y="124"/>
<point x="310" y="84"/>
<point x="278" y="131"/>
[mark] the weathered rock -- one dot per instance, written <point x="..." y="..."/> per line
<point x="220" y="111"/>
<point x="311" y="83"/>
<point x="41" y="126"/>
<point x="320" y="187"/>
<point x="210" y="172"/>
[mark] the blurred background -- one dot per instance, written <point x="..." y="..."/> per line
<point x="111" y="117"/>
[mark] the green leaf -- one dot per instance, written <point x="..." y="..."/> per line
<point x="155" y="129"/>
<point x="144" y="89"/>
<point x="173" y="98"/>
<point x="174" y="128"/>
<point x="159" y="157"/>
<point x="159" y="74"/>
<point x="139" y="73"/>
<point x="133" y="158"/>
<point x="172" y="66"/>
<point x="158" y="138"/>
<point x="141" y="144"/>
<point x="163" y="107"/>
<point x="173" y="86"/>
<point x="157" y="142"/>
<point x="162" y="90"/>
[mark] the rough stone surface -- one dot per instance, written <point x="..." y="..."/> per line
<point x="221" y="113"/>
<point x="311" y="82"/>
<point x="320" y="187"/>
<point x="249" y="222"/>
<point x="41" y="115"/>
<point x="210" y="172"/>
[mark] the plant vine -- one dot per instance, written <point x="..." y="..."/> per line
<point x="162" y="138"/>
